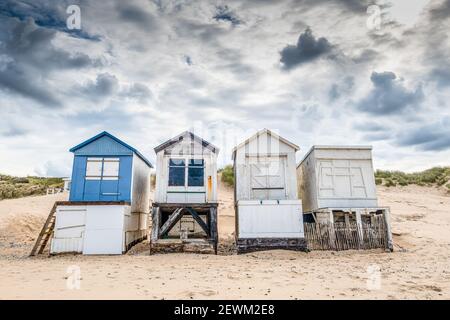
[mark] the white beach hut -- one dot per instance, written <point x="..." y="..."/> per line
<point x="337" y="185"/>
<point x="268" y="212"/>
<point x="185" y="204"/>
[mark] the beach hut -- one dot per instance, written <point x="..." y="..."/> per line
<point x="109" y="197"/>
<point x="337" y="186"/>
<point x="184" y="214"/>
<point x="268" y="212"/>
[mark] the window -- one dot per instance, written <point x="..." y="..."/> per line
<point x="176" y="172"/>
<point x="196" y="173"/>
<point x="190" y="175"/>
<point x="102" y="168"/>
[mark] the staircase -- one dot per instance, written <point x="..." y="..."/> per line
<point x="46" y="233"/>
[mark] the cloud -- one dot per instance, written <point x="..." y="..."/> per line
<point x="138" y="15"/>
<point x="308" y="48"/>
<point x="341" y="88"/>
<point x="104" y="85"/>
<point x="441" y="76"/>
<point x="16" y="80"/>
<point x="441" y="11"/>
<point x="47" y="14"/>
<point x="223" y="13"/>
<point x="29" y="56"/>
<point x="430" y="137"/>
<point x="139" y="92"/>
<point x="389" y="96"/>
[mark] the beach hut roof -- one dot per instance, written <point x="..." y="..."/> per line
<point x="181" y="137"/>
<point x="107" y="134"/>
<point x="270" y="133"/>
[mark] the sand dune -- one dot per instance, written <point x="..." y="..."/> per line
<point x="419" y="267"/>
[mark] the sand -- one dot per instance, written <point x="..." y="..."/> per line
<point x="419" y="268"/>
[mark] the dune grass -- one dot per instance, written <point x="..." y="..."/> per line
<point x="227" y="175"/>
<point x="18" y="187"/>
<point x="438" y="176"/>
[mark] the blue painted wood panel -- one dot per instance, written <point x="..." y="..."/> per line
<point x="104" y="146"/>
<point x="101" y="190"/>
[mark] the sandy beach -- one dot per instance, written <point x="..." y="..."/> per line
<point x="419" y="268"/>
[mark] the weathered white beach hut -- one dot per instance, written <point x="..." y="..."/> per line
<point x="185" y="205"/>
<point x="268" y="211"/>
<point x="337" y="185"/>
<point x="109" y="200"/>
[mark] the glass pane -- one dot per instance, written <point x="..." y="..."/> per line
<point x="196" y="162"/>
<point x="176" y="162"/>
<point x="111" y="168"/>
<point x="195" y="177"/>
<point x="176" y="176"/>
<point x="93" y="169"/>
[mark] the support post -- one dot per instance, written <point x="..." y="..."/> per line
<point x="213" y="227"/>
<point x="359" y="226"/>
<point x="156" y="215"/>
<point x="387" y="219"/>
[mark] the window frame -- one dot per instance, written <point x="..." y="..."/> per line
<point x="187" y="166"/>
<point x="102" y="176"/>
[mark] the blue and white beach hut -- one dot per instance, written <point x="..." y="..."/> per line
<point x="109" y="199"/>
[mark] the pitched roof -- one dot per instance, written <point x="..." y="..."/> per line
<point x="181" y="136"/>
<point x="107" y="134"/>
<point x="260" y="132"/>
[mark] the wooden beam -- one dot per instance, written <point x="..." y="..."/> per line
<point x="156" y="218"/>
<point x="199" y="221"/>
<point x="173" y="219"/>
<point x="213" y="227"/>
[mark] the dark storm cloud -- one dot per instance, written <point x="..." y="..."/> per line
<point x="367" y="55"/>
<point x="188" y="60"/>
<point x="13" y="79"/>
<point x="139" y="92"/>
<point x="206" y="32"/>
<point x="223" y="13"/>
<point x="48" y="14"/>
<point x="104" y="85"/>
<point x="441" y="75"/>
<point x="442" y="11"/>
<point x="388" y="96"/>
<point x="29" y="55"/>
<point x="140" y="16"/>
<point x="432" y="137"/>
<point x="308" y="48"/>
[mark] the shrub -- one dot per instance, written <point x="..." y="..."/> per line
<point x="228" y="175"/>
<point x="378" y="181"/>
<point x="390" y="183"/>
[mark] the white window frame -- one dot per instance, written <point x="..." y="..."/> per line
<point x="186" y="187"/>
<point x="102" y="175"/>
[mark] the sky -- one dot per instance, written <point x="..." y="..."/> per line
<point x="316" y="72"/>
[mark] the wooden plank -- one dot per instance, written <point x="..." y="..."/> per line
<point x="213" y="227"/>
<point x="173" y="219"/>
<point x="156" y="218"/>
<point x="199" y="220"/>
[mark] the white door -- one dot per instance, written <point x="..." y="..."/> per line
<point x="267" y="178"/>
